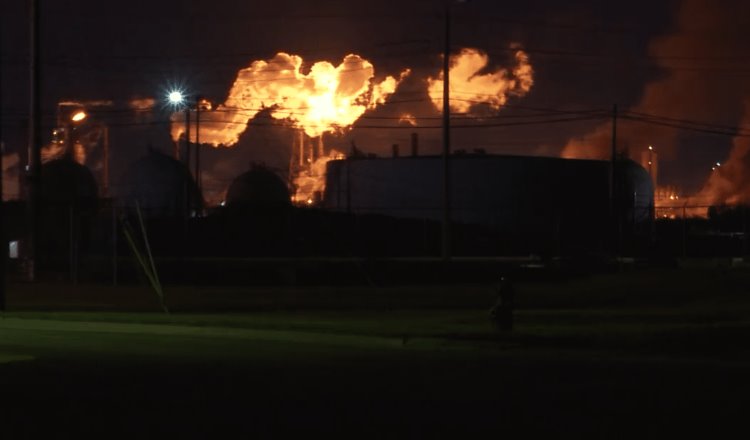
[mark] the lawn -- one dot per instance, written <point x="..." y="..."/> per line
<point x="645" y="353"/>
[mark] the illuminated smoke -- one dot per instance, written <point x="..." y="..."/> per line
<point x="52" y="151"/>
<point x="311" y="181"/>
<point x="142" y="104"/>
<point x="729" y="183"/>
<point x="326" y="99"/>
<point x="408" y="119"/>
<point x="470" y="85"/>
<point x="697" y="81"/>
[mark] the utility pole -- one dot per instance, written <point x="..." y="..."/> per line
<point x="187" y="138"/>
<point x="34" y="153"/>
<point x="3" y="238"/>
<point x="613" y="182"/>
<point x="105" y="139"/>
<point x="186" y="188"/>
<point x="198" y="145"/>
<point x="446" y="232"/>
<point x="3" y="241"/>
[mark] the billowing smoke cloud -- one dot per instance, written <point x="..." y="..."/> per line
<point x="327" y="99"/>
<point x="698" y="82"/>
<point x="471" y="85"/>
<point x="730" y="183"/>
<point x="142" y="104"/>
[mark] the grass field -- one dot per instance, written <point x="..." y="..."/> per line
<point x="642" y="353"/>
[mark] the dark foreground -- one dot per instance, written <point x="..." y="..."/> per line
<point x="646" y="370"/>
<point x="145" y="385"/>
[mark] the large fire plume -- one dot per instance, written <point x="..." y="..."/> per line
<point x="472" y="84"/>
<point x="326" y="99"/>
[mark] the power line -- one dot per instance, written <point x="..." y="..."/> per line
<point x="688" y="121"/>
<point x="686" y="127"/>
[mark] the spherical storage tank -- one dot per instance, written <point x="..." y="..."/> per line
<point x="258" y="187"/>
<point x="525" y="196"/>
<point x="160" y="185"/>
<point x="68" y="200"/>
<point x="66" y="183"/>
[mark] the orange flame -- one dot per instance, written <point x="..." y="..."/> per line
<point x="408" y="118"/>
<point x="470" y="87"/>
<point x="326" y="99"/>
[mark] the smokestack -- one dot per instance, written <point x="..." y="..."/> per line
<point x="414" y="145"/>
<point x="320" y="147"/>
<point x="301" y="143"/>
<point x="650" y="161"/>
<point x="395" y="150"/>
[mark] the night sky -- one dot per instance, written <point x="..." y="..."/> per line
<point x="683" y="60"/>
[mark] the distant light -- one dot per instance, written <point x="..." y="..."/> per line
<point x="718" y="164"/>
<point x="13" y="249"/>
<point x="223" y="203"/>
<point x="79" y="116"/>
<point x="649" y="162"/>
<point x="650" y="147"/>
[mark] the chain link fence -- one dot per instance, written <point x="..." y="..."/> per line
<point x="91" y="243"/>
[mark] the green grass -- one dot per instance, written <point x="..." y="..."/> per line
<point x="701" y="313"/>
<point x="640" y="354"/>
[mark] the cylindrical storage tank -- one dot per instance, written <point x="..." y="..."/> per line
<point x="528" y="198"/>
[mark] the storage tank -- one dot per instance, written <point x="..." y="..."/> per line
<point x="258" y="187"/>
<point x="160" y="185"/>
<point x="68" y="201"/>
<point x="66" y="183"/>
<point x="516" y="195"/>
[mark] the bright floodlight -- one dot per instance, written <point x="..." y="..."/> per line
<point x="78" y="116"/>
<point x="175" y="97"/>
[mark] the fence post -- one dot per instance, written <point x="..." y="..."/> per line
<point x="744" y="230"/>
<point x="71" y="245"/>
<point x="114" y="245"/>
<point x="684" y="230"/>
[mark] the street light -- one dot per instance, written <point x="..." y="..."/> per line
<point x="70" y="115"/>
<point x="179" y="100"/>
<point x="175" y="98"/>
<point x="78" y="116"/>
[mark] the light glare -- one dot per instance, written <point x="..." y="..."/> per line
<point x="175" y="97"/>
<point x="78" y="116"/>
